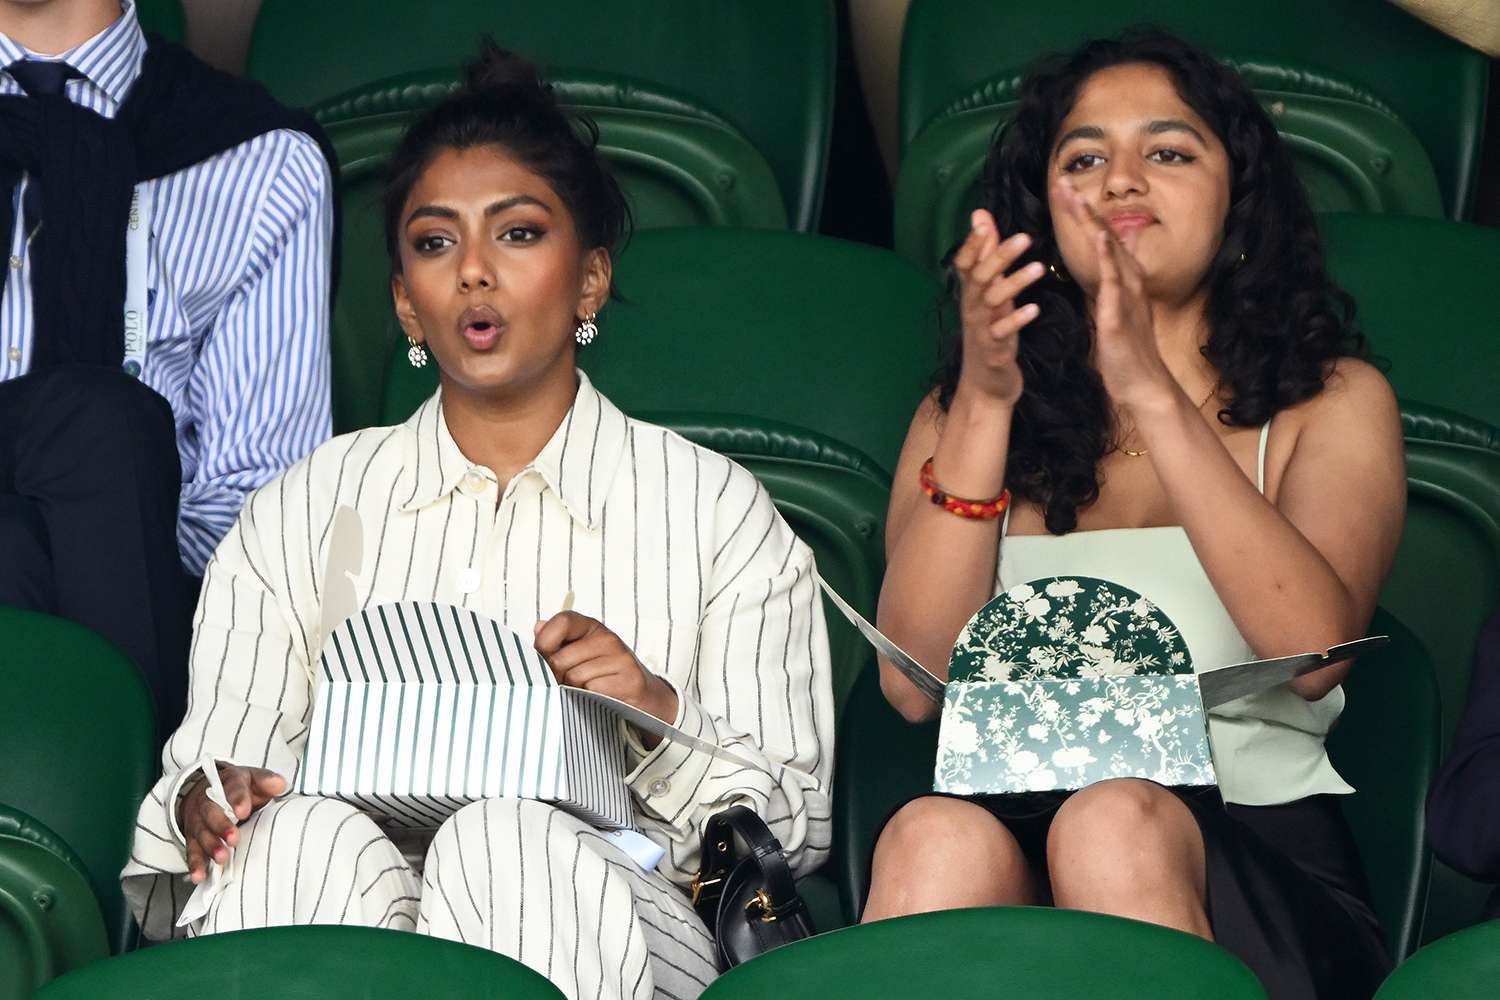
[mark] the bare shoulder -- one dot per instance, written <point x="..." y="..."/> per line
<point x="1355" y="394"/>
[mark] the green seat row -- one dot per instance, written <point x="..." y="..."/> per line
<point x="767" y="69"/>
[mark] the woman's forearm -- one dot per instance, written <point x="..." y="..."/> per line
<point x="1282" y="594"/>
<point x="941" y="567"/>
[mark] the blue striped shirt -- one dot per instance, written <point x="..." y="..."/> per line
<point x="238" y="285"/>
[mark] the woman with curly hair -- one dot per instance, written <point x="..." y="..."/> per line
<point x="1155" y="365"/>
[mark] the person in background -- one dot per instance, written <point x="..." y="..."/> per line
<point x="1155" y="367"/>
<point x="163" y="320"/>
<point x="1463" y="808"/>
<point x="516" y="484"/>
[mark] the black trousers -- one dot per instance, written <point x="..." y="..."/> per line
<point x="89" y="483"/>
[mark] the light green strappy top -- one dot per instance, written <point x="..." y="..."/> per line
<point x="1267" y="747"/>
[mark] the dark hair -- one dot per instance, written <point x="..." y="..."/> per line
<point x="1276" y="320"/>
<point x="503" y="101"/>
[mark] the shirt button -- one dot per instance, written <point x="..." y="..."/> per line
<point x="659" y="787"/>
<point x="473" y="482"/>
<point x="15" y="263"/>
<point x="14" y="354"/>
<point x="468" y="580"/>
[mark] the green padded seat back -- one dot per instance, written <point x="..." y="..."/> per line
<point x="77" y="732"/>
<point x="327" y="962"/>
<point x="161" y="17"/>
<point x="679" y="164"/>
<point x="836" y="337"/>
<point x="49" y="918"/>
<point x="1387" y="745"/>
<point x="1032" y="952"/>
<point x="884" y="760"/>
<point x="1462" y="966"/>
<point x="1426" y="295"/>
<point x="1444" y="584"/>
<point x="1435" y="84"/>
<point x="1425" y="422"/>
<point x="767" y="67"/>
<point x="1350" y="150"/>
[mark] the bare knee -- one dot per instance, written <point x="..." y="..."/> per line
<point x="938" y="853"/>
<point x="1120" y="834"/>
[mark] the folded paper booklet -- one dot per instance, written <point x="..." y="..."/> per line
<point x="1062" y="682"/>
<point x="420" y="708"/>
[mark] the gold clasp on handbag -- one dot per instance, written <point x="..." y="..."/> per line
<point x="700" y="883"/>
<point x="762" y="902"/>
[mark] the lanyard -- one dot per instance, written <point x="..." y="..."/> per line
<point x="137" y="237"/>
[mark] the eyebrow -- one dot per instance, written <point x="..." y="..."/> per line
<point x="444" y="212"/>
<point x="1174" y="125"/>
<point x="1156" y="127"/>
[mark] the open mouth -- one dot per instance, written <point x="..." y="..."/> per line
<point x="480" y="327"/>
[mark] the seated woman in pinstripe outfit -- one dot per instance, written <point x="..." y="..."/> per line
<point x="517" y="483"/>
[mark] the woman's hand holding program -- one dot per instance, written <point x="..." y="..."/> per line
<point x="584" y="653"/>
<point x="209" y="833"/>
<point x="987" y="306"/>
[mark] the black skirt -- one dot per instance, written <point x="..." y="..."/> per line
<point x="1286" y="891"/>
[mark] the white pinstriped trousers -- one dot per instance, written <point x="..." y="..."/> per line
<point x="517" y="876"/>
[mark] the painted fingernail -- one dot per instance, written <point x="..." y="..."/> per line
<point x="1030" y="309"/>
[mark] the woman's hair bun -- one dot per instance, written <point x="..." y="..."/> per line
<point x="496" y="69"/>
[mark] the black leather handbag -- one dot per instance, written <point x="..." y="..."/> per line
<point x="745" y="892"/>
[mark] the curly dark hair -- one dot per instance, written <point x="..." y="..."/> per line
<point x="1277" y="322"/>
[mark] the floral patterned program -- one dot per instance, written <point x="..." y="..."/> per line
<point x="1059" y="683"/>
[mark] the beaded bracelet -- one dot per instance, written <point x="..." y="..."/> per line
<point x="979" y="510"/>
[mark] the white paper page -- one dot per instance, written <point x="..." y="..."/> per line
<point x="921" y="678"/>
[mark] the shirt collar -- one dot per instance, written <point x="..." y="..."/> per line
<point x="111" y="60"/>
<point x="578" y="464"/>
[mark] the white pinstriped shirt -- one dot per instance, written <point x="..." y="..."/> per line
<point x="675" y="548"/>
<point x="237" y="315"/>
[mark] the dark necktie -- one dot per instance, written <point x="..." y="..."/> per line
<point x="39" y="78"/>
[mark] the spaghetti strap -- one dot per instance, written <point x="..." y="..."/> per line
<point x="1260" y="465"/>
<point x="1005" y="522"/>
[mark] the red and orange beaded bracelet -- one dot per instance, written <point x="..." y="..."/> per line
<point x="978" y="510"/>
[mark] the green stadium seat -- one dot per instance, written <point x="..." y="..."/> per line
<point x="1462" y="966"/>
<point x="296" y="963"/>
<point x="1037" y="953"/>
<point x="1425" y="422"/>
<point x="768" y="68"/>
<point x="884" y="760"/>
<point x="1444" y="584"/>
<point x="1434" y="84"/>
<point x="77" y="735"/>
<point x="836" y="337"/>
<point x="49" y="918"/>
<point x="161" y="17"/>
<point x="1351" y="152"/>
<point x="1426" y="300"/>
<point x="679" y="164"/>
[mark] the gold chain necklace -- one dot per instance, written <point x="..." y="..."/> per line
<point x="1145" y="451"/>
